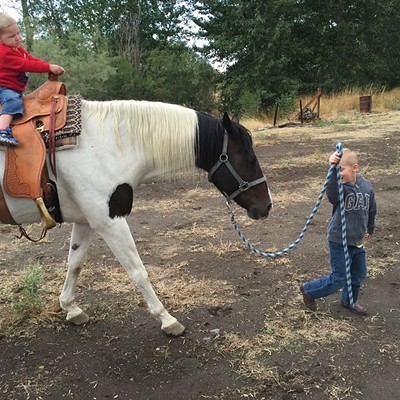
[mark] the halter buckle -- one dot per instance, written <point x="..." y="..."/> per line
<point x="244" y="186"/>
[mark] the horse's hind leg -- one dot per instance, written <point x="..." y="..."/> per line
<point x="80" y="240"/>
<point x="118" y="237"/>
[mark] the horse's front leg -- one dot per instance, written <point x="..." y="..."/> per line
<point x="118" y="237"/>
<point x="80" y="239"/>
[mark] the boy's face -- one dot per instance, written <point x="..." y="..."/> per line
<point x="11" y="36"/>
<point x="348" y="171"/>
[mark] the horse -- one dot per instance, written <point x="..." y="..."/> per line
<point x="126" y="142"/>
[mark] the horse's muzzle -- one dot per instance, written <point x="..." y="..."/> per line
<point x="259" y="213"/>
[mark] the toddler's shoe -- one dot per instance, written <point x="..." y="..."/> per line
<point x="356" y="308"/>
<point x="6" y="138"/>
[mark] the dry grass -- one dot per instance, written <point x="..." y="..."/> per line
<point x="11" y="321"/>
<point x="379" y="266"/>
<point x="288" y="328"/>
<point x="337" y="105"/>
<point x="181" y="292"/>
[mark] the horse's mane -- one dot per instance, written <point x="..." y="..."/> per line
<point x="164" y="132"/>
<point x="210" y="138"/>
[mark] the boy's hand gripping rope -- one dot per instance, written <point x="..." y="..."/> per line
<point x="339" y="149"/>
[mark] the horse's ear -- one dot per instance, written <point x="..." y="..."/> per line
<point x="235" y="118"/>
<point x="226" y="119"/>
<point x="227" y="122"/>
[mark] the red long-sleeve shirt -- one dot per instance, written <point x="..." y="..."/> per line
<point x="14" y="63"/>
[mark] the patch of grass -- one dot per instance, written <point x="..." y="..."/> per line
<point x="287" y="328"/>
<point x="338" y="105"/>
<point x="343" y="121"/>
<point x="340" y="392"/>
<point x="293" y="348"/>
<point x="392" y="100"/>
<point x="321" y="123"/>
<point x="276" y="189"/>
<point x="262" y="135"/>
<point x="306" y="136"/>
<point x="30" y="300"/>
<point x="378" y="266"/>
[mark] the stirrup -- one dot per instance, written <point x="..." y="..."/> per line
<point x="47" y="221"/>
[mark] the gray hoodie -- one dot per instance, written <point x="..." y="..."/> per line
<point x="360" y="206"/>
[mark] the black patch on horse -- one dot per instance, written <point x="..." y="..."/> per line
<point x="210" y="136"/>
<point x="120" y="204"/>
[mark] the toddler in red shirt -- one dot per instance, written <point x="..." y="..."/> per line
<point x="15" y="62"/>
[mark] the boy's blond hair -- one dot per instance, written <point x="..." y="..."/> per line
<point x="5" y="21"/>
<point x="349" y="157"/>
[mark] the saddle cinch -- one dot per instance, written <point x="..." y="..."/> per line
<point x="25" y="172"/>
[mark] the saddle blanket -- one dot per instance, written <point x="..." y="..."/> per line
<point x="67" y="137"/>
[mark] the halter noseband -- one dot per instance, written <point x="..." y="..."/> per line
<point x="224" y="159"/>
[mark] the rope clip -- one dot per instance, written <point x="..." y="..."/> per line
<point x="230" y="211"/>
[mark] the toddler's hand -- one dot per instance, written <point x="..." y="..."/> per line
<point x="368" y="235"/>
<point x="56" y="69"/>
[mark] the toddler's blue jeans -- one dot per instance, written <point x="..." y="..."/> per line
<point x="337" y="280"/>
<point x="12" y="102"/>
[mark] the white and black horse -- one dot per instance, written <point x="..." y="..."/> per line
<point x="122" y="144"/>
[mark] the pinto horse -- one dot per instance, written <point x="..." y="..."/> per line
<point x="122" y="144"/>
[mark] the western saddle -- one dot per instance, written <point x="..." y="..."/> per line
<point x="25" y="173"/>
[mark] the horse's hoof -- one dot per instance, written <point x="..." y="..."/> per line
<point x="174" y="330"/>
<point x="79" y="319"/>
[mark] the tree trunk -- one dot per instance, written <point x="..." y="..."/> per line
<point x="26" y="18"/>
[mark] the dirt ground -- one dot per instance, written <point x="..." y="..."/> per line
<point x="248" y="334"/>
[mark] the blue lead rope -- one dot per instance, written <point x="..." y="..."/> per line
<point x="339" y="149"/>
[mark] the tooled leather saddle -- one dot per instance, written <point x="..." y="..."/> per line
<point x="25" y="172"/>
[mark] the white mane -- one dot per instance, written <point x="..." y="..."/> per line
<point x="167" y="132"/>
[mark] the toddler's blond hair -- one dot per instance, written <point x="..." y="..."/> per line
<point x="5" y="21"/>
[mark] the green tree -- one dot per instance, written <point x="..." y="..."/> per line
<point x="130" y="49"/>
<point x="351" y="43"/>
<point x="255" y="39"/>
<point x="277" y="49"/>
<point x="178" y="75"/>
<point x="87" y="72"/>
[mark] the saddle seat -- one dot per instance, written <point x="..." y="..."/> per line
<point x="39" y="103"/>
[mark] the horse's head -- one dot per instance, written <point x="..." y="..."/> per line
<point x="237" y="173"/>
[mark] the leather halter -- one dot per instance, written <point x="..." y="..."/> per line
<point x="224" y="160"/>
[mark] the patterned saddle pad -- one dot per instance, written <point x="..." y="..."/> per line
<point x="68" y="136"/>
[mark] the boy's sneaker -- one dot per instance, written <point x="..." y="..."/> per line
<point x="308" y="300"/>
<point x="356" y="308"/>
<point x="6" y="137"/>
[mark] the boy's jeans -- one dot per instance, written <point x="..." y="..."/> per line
<point x="336" y="280"/>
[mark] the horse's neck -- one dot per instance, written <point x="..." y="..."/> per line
<point x="161" y="135"/>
